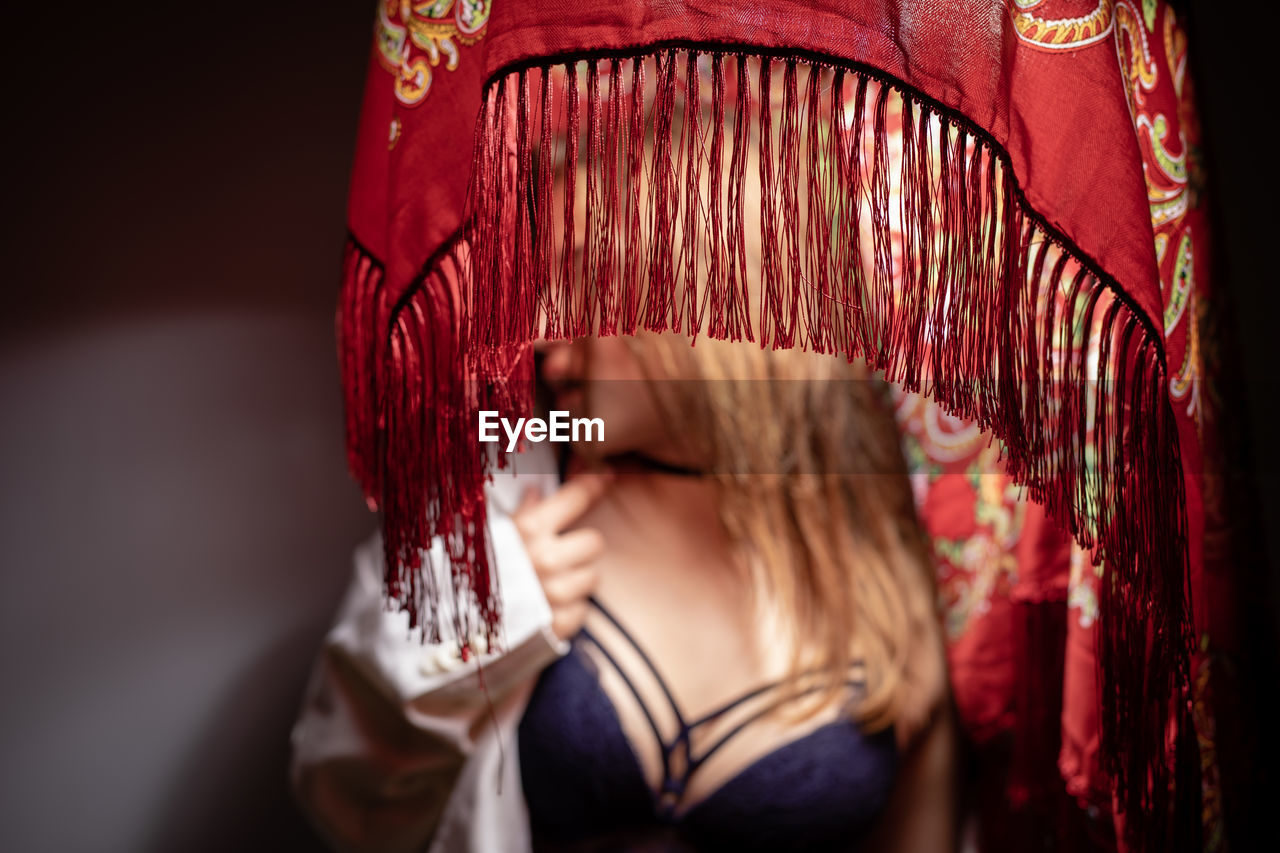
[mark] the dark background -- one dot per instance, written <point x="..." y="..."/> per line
<point x="175" y="515"/>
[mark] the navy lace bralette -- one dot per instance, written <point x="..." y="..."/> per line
<point x="586" y="789"/>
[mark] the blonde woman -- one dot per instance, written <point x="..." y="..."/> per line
<point x="720" y="629"/>
<point x="734" y="642"/>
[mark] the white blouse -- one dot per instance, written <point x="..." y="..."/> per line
<point x="395" y="747"/>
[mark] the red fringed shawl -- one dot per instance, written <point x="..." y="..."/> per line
<point x="993" y="203"/>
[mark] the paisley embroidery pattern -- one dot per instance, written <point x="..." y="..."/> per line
<point x="1185" y="384"/>
<point x="978" y="518"/>
<point x="413" y="39"/>
<point x="978" y="563"/>
<point x="1045" y="32"/>
<point x="1166" y="134"/>
<point x="1176" y="300"/>
<point x="1134" y="50"/>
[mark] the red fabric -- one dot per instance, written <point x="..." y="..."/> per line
<point x="1000" y="559"/>
<point x="995" y="548"/>
<point x="1090" y="104"/>
<point x="969" y="59"/>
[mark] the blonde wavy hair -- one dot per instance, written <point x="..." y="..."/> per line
<point x="814" y="496"/>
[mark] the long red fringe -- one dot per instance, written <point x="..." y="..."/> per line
<point x="608" y="196"/>
<point x="410" y="410"/>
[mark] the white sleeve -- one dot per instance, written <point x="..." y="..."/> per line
<point x="388" y="721"/>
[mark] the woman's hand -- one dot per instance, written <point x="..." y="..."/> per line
<point x="564" y="561"/>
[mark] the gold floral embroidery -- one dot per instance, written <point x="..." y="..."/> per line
<point x="414" y="37"/>
<point x="1066" y="32"/>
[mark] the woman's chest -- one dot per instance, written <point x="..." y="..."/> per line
<point x="607" y="752"/>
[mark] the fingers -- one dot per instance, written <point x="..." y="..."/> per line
<point x="550" y="554"/>
<point x="553" y="514"/>
<point x="563" y="561"/>
<point x="570" y="587"/>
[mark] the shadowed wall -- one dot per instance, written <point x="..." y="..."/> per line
<point x="176" y="516"/>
